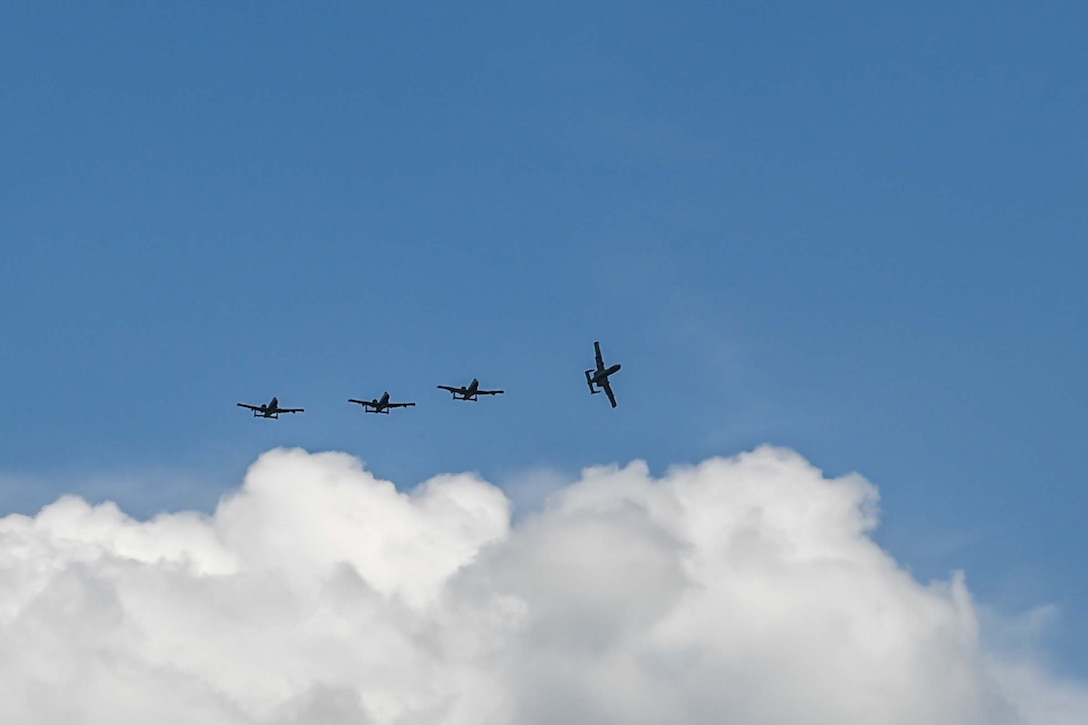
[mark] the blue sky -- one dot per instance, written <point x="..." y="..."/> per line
<point x="854" y="231"/>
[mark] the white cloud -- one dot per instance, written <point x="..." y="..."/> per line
<point x="742" y="590"/>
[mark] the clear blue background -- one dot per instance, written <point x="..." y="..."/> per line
<point x="855" y="231"/>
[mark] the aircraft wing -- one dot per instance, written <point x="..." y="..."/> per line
<point x="449" y="388"/>
<point x="608" y="391"/>
<point x="251" y="407"/>
<point x="400" y="405"/>
<point x="489" y="392"/>
<point x="360" y="402"/>
<point x="289" y="410"/>
<point x="600" y="359"/>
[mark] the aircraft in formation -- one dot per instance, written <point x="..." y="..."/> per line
<point x="595" y="377"/>
<point x="599" y="377"/>
<point x="470" y="392"/>
<point x="270" y="410"/>
<point x="380" y="405"/>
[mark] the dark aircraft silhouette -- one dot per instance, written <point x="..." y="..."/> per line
<point x="472" y="392"/>
<point x="380" y="405"/>
<point x="272" y="410"/>
<point x="599" y="377"/>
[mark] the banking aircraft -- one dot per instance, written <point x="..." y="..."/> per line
<point x="599" y="377"/>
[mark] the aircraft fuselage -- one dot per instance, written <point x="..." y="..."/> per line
<point x="602" y="375"/>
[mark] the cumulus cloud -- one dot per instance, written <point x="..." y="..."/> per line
<point x="741" y="590"/>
